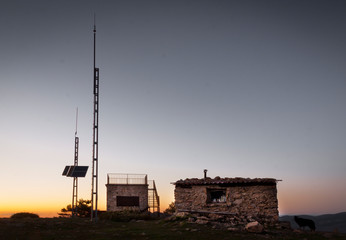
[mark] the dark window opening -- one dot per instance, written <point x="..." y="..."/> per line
<point x="124" y="201"/>
<point x="216" y="196"/>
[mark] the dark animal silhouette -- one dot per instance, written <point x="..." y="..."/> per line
<point x="302" y="222"/>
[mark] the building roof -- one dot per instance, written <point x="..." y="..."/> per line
<point x="225" y="181"/>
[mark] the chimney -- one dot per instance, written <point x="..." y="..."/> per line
<point x="205" y="173"/>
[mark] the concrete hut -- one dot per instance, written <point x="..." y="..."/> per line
<point x="131" y="192"/>
<point x="233" y="200"/>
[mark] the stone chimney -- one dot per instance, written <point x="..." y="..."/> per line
<point x="205" y="173"/>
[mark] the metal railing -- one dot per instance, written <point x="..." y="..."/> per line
<point x="127" y="179"/>
<point x="153" y="198"/>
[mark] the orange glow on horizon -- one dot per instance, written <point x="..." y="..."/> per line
<point x="45" y="210"/>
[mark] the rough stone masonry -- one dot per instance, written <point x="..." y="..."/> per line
<point x="234" y="201"/>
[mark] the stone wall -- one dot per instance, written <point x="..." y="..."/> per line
<point x="242" y="204"/>
<point x="123" y="190"/>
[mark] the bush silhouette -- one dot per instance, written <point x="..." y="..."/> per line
<point x="171" y="208"/>
<point x="24" y="215"/>
<point x="83" y="209"/>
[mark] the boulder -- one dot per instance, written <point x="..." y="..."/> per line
<point x="181" y="214"/>
<point x="202" y="220"/>
<point x="254" y="227"/>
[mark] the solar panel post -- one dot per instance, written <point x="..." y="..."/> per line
<point x="75" y="179"/>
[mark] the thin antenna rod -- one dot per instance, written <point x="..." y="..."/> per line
<point x="94" y="40"/>
<point x="95" y="21"/>
<point x="76" y="122"/>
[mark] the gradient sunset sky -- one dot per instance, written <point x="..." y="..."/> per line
<point x="241" y="88"/>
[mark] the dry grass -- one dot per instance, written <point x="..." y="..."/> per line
<point x="60" y="228"/>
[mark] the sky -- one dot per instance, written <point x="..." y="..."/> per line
<point x="242" y="88"/>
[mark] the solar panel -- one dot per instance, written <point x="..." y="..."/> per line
<point x="64" y="173"/>
<point x="75" y="171"/>
<point x="70" y="171"/>
<point x="78" y="171"/>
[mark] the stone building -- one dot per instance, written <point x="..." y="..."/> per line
<point x="131" y="192"/>
<point x="237" y="201"/>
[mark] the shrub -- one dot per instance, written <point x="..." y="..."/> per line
<point x="171" y="209"/>
<point x="24" y="215"/>
<point x="83" y="209"/>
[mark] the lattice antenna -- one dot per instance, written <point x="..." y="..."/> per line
<point x="94" y="180"/>
<point x="75" y="179"/>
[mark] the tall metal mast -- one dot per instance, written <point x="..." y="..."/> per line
<point x="94" y="181"/>
<point x="75" y="179"/>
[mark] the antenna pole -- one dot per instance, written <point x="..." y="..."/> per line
<point x="94" y="181"/>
